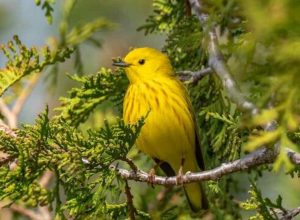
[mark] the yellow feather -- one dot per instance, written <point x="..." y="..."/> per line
<point x="169" y="132"/>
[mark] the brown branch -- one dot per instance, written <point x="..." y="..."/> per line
<point x="254" y="159"/>
<point x="193" y="77"/>
<point x="130" y="205"/>
<point x="130" y="163"/>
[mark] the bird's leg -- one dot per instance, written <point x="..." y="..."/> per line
<point x="180" y="172"/>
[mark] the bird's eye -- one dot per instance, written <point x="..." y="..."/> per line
<point x="141" y="61"/>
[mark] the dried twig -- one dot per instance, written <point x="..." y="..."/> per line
<point x="26" y="212"/>
<point x="11" y="115"/>
<point x="8" y="115"/>
<point x="130" y="205"/>
<point x="193" y="77"/>
<point x="290" y="214"/>
<point x="25" y="94"/>
<point x="46" y="178"/>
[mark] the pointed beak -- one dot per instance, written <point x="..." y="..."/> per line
<point x="120" y="64"/>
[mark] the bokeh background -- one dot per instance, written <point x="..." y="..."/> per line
<point x="23" y="18"/>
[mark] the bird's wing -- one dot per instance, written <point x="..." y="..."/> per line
<point x="198" y="149"/>
<point x="199" y="155"/>
<point x="165" y="167"/>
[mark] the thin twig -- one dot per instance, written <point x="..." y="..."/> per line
<point x="193" y="77"/>
<point x="295" y="157"/>
<point x="25" y="94"/>
<point x="131" y="164"/>
<point x="291" y="214"/>
<point x="130" y="205"/>
<point x="7" y="129"/>
<point x="8" y="115"/>
<point x="46" y="178"/>
<point x="217" y="63"/>
<point x="286" y="214"/>
<point x="26" y="212"/>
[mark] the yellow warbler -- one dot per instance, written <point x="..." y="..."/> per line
<point x="169" y="135"/>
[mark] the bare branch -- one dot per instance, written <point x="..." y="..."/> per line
<point x="254" y="159"/>
<point x="193" y="77"/>
<point x="130" y="205"/>
<point x="25" y="94"/>
<point x="291" y="214"/>
<point x="7" y="129"/>
<point x="294" y="157"/>
<point x="8" y="115"/>
<point x="26" y="212"/>
<point x="217" y="63"/>
<point x="286" y="214"/>
<point x="130" y="163"/>
<point x="46" y="178"/>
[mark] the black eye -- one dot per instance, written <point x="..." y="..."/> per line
<point x="141" y="61"/>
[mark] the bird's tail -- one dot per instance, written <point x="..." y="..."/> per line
<point x="195" y="196"/>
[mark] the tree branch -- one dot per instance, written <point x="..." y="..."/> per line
<point x="46" y="178"/>
<point x="130" y="205"/>
<point x="11" y="115"/>
<point x="26" y="212"/>
<point x="8" y="115"/>
<point x="295" y="157"/>
<point x="254" y="159"/>
<point x="25" y="94"/>
<point x="193" y="77"/>
<point x="290" y="214"/>
<point x="217" y="63"/>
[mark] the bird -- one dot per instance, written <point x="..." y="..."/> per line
<point x="170" y="134"/>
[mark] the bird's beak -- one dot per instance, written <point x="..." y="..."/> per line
<point x="120" y="64"/>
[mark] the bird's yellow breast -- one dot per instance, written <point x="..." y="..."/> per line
<point x="169" y="132"/>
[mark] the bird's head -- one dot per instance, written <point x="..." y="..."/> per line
<point x="142" y="64"/>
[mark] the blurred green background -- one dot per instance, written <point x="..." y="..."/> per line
<point x="23" y="18"/>
<point x="27" y="20"/>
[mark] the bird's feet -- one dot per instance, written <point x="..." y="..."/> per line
<point x="151" y="177"/>
<point x="179" y="176"/>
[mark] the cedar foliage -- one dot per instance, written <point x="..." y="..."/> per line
<point x="260" y="42"/>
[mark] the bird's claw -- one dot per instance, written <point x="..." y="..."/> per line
<point x="179" y="177"/>
<point x="151" y="177"/>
